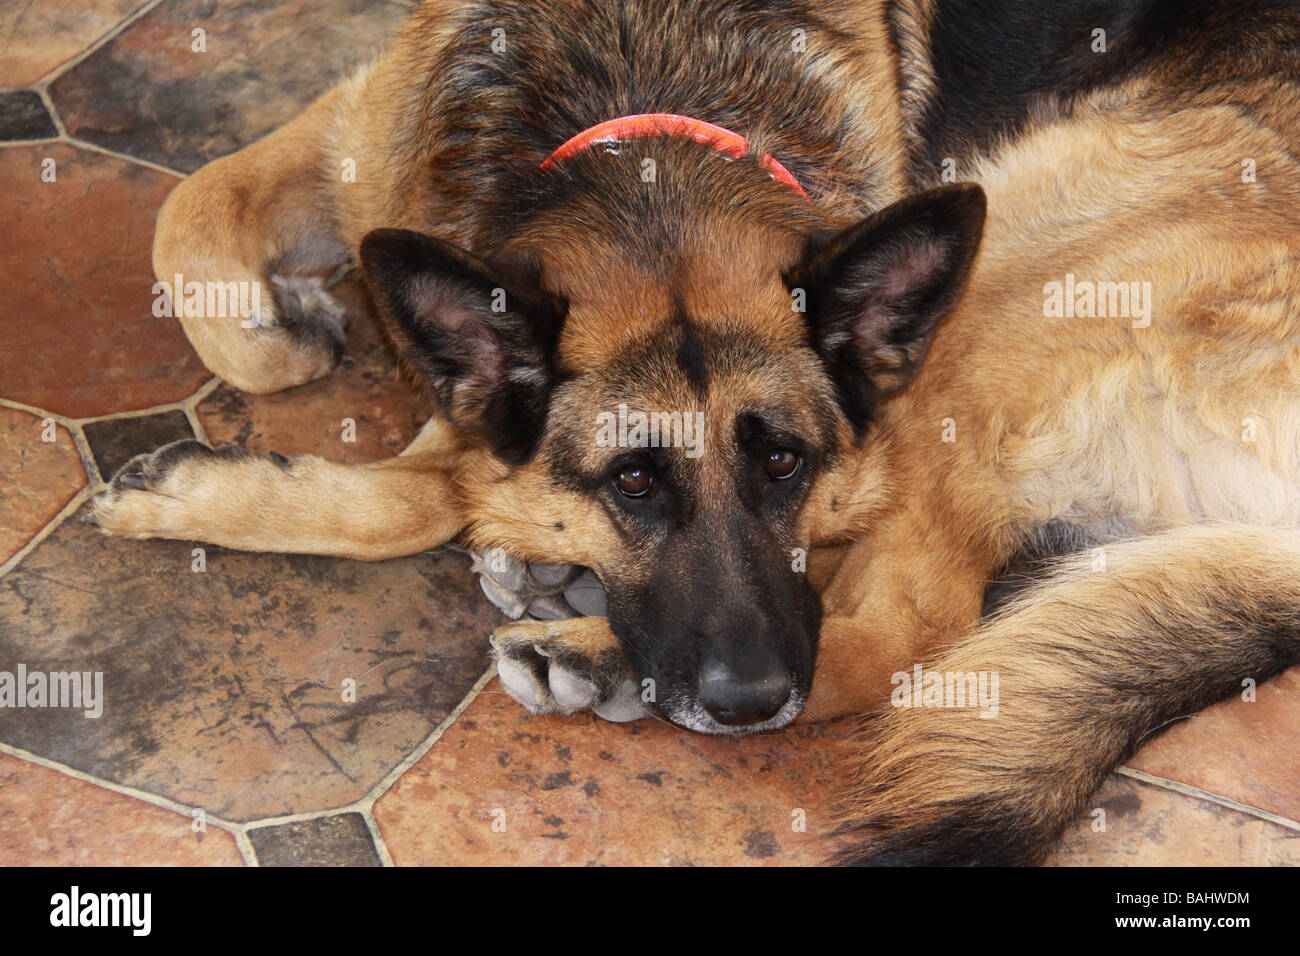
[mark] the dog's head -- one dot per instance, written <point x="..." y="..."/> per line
<point x="672" y="431"/>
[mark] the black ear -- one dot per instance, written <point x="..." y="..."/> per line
<point x="876" y="291"/>
<point x="482" y="336"/>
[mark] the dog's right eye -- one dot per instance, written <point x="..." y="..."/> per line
<point x="633" y="481"/>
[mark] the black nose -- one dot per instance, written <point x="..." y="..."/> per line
<point x="734" y="701"/>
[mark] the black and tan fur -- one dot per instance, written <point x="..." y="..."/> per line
<point x="1125" y="165"/>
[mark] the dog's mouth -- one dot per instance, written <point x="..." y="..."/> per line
<point x="550" y="592"/>
<point x="691" y="715"/>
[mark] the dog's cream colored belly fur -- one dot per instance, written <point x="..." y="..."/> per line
<point x="1191" y="414"/>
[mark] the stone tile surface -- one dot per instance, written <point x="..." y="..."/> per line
<point x="387" y="409"/>
<point x="1151" y="826"/>
<point x="149" y="94"/>
<point x="37" y="478"/>
<point x="339" y="840"/>
<point x="580" y="791"/>
<point x="23" y="116"/>
<point x="76" y="306"/>
<point x="1248" y="752"/>
<point x="225" y="688"/>
<point x="50" y="819"/>
<point x="116" y="441"/>
<point x="37" y="37"/>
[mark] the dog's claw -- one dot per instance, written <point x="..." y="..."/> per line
<point x="279" y="459"/>
<point x="90" y="518"/>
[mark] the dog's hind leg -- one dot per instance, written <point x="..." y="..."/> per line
<point x="237" y="243"/>
<point x="239" y="499"/>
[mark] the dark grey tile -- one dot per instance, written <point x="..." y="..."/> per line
<point x="23" y="116"/>
<point x="340" y="840"/>
<point x="148" y="94"/>
<point x="114" y="443"/>
<point x="228" y="677"/>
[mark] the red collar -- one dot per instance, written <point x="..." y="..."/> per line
<point x="670" y="124"/>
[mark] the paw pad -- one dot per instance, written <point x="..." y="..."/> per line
<point x="543" y="592"/>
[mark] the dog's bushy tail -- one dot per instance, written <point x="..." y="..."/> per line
<point x="1090" y="662"/>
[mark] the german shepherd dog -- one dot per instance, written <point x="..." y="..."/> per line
<point x="763" y="215"/>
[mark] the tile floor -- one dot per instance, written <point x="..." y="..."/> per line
<point x="224" y="737"/>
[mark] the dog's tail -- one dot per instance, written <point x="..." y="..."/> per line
<point x="1088" y="664"/>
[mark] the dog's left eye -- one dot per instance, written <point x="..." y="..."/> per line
<point x="782" y="464"/>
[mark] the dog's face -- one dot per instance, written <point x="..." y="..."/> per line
<point x="671" y="432"/>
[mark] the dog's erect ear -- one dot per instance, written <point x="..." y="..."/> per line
<point x="876" y="291"/>
<point x="482" y="336"/>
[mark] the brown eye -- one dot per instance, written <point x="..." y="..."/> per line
<point x="782" y="464"/>
<point x="633" y="481"/>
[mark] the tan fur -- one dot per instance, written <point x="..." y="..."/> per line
<point x="1120" y="431"/>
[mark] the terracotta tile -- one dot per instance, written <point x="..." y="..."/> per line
<point x="37" y="37"/>
<point x="224" y="688"/>
<point x="1244" y="751"/>
<point x="340" y="840"/>
<point x="23" y="116"/>
<point x="37" y="478"/>
<point x="1151" y="826"/>
<point x="78" y="287"/>
<point x="583" y="791"/>
<point x="50" y="819"/>
<point x="386" y="407"/>
<point x="148" y="94"/>
<point x="117" y="441"/>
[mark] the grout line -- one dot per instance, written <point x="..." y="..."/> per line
<point x="74" y="143"/>
<point x="246" y="849"/>
<point x="73" y="505"/>
<point x="364" y="805"/>
<point x="127" y="157"/>
<point x="1189" y="791"/>
<point x="31" y="142"/>
<point x="50" y="108"/>
<point x="196" y="426"/>
<point x="379" y="789"/>
<point x="119" y="788"/>
<point x="304" y="816"/>
<point x="85" y="54"/>
<point x="178" y="406"/>
<point x="385" y="858"/>
<point x="39" y="412"/>
<point x="204" y="390"/>
<point x="94" y="481"/>
<point x="72" y="426"/>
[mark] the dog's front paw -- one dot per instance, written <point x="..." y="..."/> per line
<point x="169" y="492"/>
<point x="561" y="667"/>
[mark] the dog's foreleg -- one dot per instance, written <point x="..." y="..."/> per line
<point x="239" y="499"/>
<point x="856" y="664"/>
<point x="892" y="603"/>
